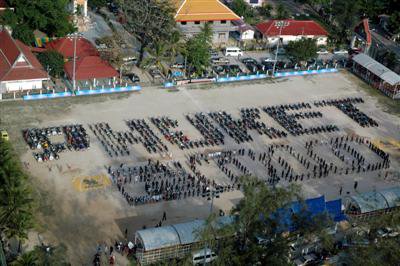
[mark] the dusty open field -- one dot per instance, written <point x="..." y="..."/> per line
<point x="81" y="220"/>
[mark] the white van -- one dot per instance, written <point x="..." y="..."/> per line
<point x="233" y="51"/>
<point x="203" y="256"/>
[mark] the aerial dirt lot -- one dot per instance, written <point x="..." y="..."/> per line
<point x="83" y="219"/>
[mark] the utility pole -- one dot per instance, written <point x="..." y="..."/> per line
<point x="74" y="65"/>
<point x="281" y="24"/>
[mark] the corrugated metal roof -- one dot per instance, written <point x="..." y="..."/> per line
<point x="160" y="237"/>
<point x="189" y="232"/>
<point x="392" y="196"/>
<point x="370" y="201"/>
<point x="176" y="234"/>
<point x="377" y="69"/>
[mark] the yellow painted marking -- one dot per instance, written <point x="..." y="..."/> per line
<point x="86" y="183"/>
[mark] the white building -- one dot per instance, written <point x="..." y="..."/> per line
<point x="19" y="68"/>
<point x="291" y="30"/>
<point x="255" y="3"/>
<point x="244" y="32"/>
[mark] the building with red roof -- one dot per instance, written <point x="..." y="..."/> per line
<point x="89" y="65"/>
<point x="292" y="30"/>
<point x="65" y="46"/>
<point x="19" y="68"/>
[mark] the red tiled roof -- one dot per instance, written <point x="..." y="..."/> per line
<point x="90" y="67"/>
<point x="3" y="4"/>
<point x="10" y="69"/>
<point x="65" y="46"/>
<point x="291" y="27"/>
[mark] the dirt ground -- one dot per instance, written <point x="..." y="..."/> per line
<point x="82" y="220"/>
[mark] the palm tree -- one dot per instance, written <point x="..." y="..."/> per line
<point x="176" y="45"/>
<point x="158" y="54"/>
<point x="15" y="201"/>
<point x="26" y="259"/>
<point x="15" y="210"/>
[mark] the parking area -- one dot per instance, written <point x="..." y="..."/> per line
<point x="216" y="135"/>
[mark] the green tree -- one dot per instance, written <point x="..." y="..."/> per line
<point x="152" y="22"/>
<point x="345" y="14"/>
<point x="256" y="217"/>
<point x="303" y="49"/>
<point x="394" y="22"/>
<point x="53" y="62"/>
<point x="49" y="16"/>
<point x="51" y="255"/>
<point x="24" y="34"/>
<point x="198" y="50"/>
<point x="158" y="56"/>
<point x="26" y="259"/>
<point x="97" y="3"/>
<point x="265" y="10"/>
<point x="243" y="9"/>
<point x="281" y="12"/>
<point x="16" y="204"/>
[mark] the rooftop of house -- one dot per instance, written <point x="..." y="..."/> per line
<point x="291" y="27"/>
<point x="203" y="10"/>
<point x="65" y="46"/>
<point x="17" y="61"/>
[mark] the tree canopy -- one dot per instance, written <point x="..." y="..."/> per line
<point x="16" y="216"/>
<point x="238" y="243"/>
<point x="151" y="23"/>
<point x="198" y="50"/>
<point x="53" y="62"/>
<point x="303" y="49"/>
<point x="48" y="16"/>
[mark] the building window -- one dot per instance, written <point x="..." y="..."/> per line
<point x="197" y="22"/>
<point x="183" y="22"/>
<point x="223" y="21"/>
<point x="222" y="36"/>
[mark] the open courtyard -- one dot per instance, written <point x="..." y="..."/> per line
<point x="94" y="195"/>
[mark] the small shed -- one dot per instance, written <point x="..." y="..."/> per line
<point x="244" y="32"/>
<point x="377" y="75"/>
<point x="373" y="202"/>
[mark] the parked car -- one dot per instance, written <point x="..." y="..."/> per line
<point x="219" y="70"/>
<point x="322" y="51"/>
<point x="177" y="65"/>
<point x="249" y="60"/>
<point x="281" y="51"/>
<point x="133" y="77"/>
<point x="155" y="73"/>
<point x="306" y="260"/>
<point x="387" y="232"/>
<point x="214" y="54"/>
<point x="233" y="51"/>
<point x="340" y="51"/>
<point x="203" y="256"/>
<point x="220" y="60"/>
<point x="267" y="59"/>
<point x="130" y="59"/>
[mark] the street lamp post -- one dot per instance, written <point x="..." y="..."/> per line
<point x="211" y="195"/>
<point x="281" y="24"/>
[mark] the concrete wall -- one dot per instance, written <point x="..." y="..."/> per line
<point x="272" y="41"/>
<point x="220" y="30"/>
<point x="11" y="86"/>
